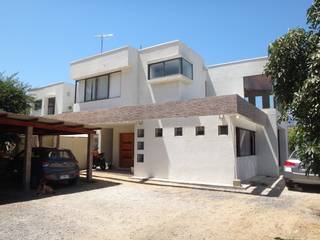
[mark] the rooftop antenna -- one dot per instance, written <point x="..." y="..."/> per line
<point x="102" y="37"/>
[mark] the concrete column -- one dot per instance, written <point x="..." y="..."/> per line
<point x="27" y="157"/>
<point x="40" y="139"/>
<point x="89" y="157"/>
<point x="57" y="141"/>
<point x="265" y="101"/>
<point x="252" y="99"/>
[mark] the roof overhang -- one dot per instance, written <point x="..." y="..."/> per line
<point x="228" y="104"/>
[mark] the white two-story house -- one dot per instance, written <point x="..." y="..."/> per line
<point x="52" y="99"/>
<point x="162" y="111"/>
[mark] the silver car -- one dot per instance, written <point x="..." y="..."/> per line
<point x="295" y="174"/>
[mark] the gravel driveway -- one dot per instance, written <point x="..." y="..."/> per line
<point x="116" y="209"/>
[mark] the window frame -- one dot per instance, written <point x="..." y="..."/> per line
<point x="139" y="160"/>
<point x="35" y="104"/>
<point x="175" y="131"/>
<point x="95" y="88"/>
<point x="140" y="145"/>
<point x="252" y="142"/>
<point x="138" y="135"/>
<point x="224" y="127"/>
<point x="156" y="132"/>
<point x="181" y="59"/>
<point x="196" y="130"/>
<point x="50" y="106"/>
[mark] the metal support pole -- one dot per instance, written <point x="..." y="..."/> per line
<point x="27" y="157"/>
<point x="89" y="157"/>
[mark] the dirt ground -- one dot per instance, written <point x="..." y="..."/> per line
<point x="118" y="209"/>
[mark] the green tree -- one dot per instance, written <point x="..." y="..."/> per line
<point x="13" y="94"/>
<point x="294" y="67"/>
<point x="292" y="133"/>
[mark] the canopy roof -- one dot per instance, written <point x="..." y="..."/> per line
<point x="17" y="123"/>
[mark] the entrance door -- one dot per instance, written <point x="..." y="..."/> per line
<point x="126" y="150"/>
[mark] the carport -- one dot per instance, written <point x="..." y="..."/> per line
<point x="41" y="126"/>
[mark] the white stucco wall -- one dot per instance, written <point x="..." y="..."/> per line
<point x="63" y="92"/>
<point x="135" y="86"/>
<point x="247" y="166"/>
<point x="179" y="89"/>
<point x="227" y="78"/>
<point x="267" y="145"/>
<point x="106" y="142"/>
<point x="202" y="159"/>
<point x="123" y="60"/>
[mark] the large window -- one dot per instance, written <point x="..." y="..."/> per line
<point x="245" y="142"/>
<point x="51" y="105"/>
<point x="97" y="88"/>
<point x="102" y="87"/>
<point x="170" y="67"/>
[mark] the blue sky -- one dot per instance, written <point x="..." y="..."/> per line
<point x="40" y="38"/>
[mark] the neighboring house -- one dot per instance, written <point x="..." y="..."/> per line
<point x="52" y="99"/>
<point x="165" y="113"/>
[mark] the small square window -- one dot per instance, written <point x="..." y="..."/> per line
<point x="178" y="131"/>
<point x="199" y="131"/>
<point x="158" y="132"/>
<point x="223" y="130"/>
<point x="140" y="158"/>
<point x="140" y="133"/>
<point x="140" y="145"/>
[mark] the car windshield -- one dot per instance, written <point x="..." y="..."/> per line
<point x="60" y="154"/>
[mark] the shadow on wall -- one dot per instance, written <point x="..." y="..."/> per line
<point x="267" y="150"/>
<point x="209" y="88"/>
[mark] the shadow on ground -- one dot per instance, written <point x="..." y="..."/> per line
<point x="260" y="186"/>
<point x="11" y="193"/>
<point x="306" y="188"/>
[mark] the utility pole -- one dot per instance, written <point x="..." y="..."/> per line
<point x="102" y="37"/>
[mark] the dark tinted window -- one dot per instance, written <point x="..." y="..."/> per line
<point x="172" y="67"/>
<point x="158" y="132"/>
<point x="156" y="70"/>
<point x="51" y="105"/>
<point x="140" y="158"/>
<point x="223" y="130"/>
<point x="140" y="145"/>
<point x="140" y="133"/>
<point x="199" y="130"/>
<point x="187" y="69"/>
<point x="37" y="105"/>
<point x="245" y="142"/>
<point x="178" y="131"/>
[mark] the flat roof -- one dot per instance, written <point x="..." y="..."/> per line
<point x="17" y="123"/>
<point x="238" y="61"/>
<point x="49" y="85"/>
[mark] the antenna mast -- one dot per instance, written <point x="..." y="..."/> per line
<point x="102" y="37"/>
